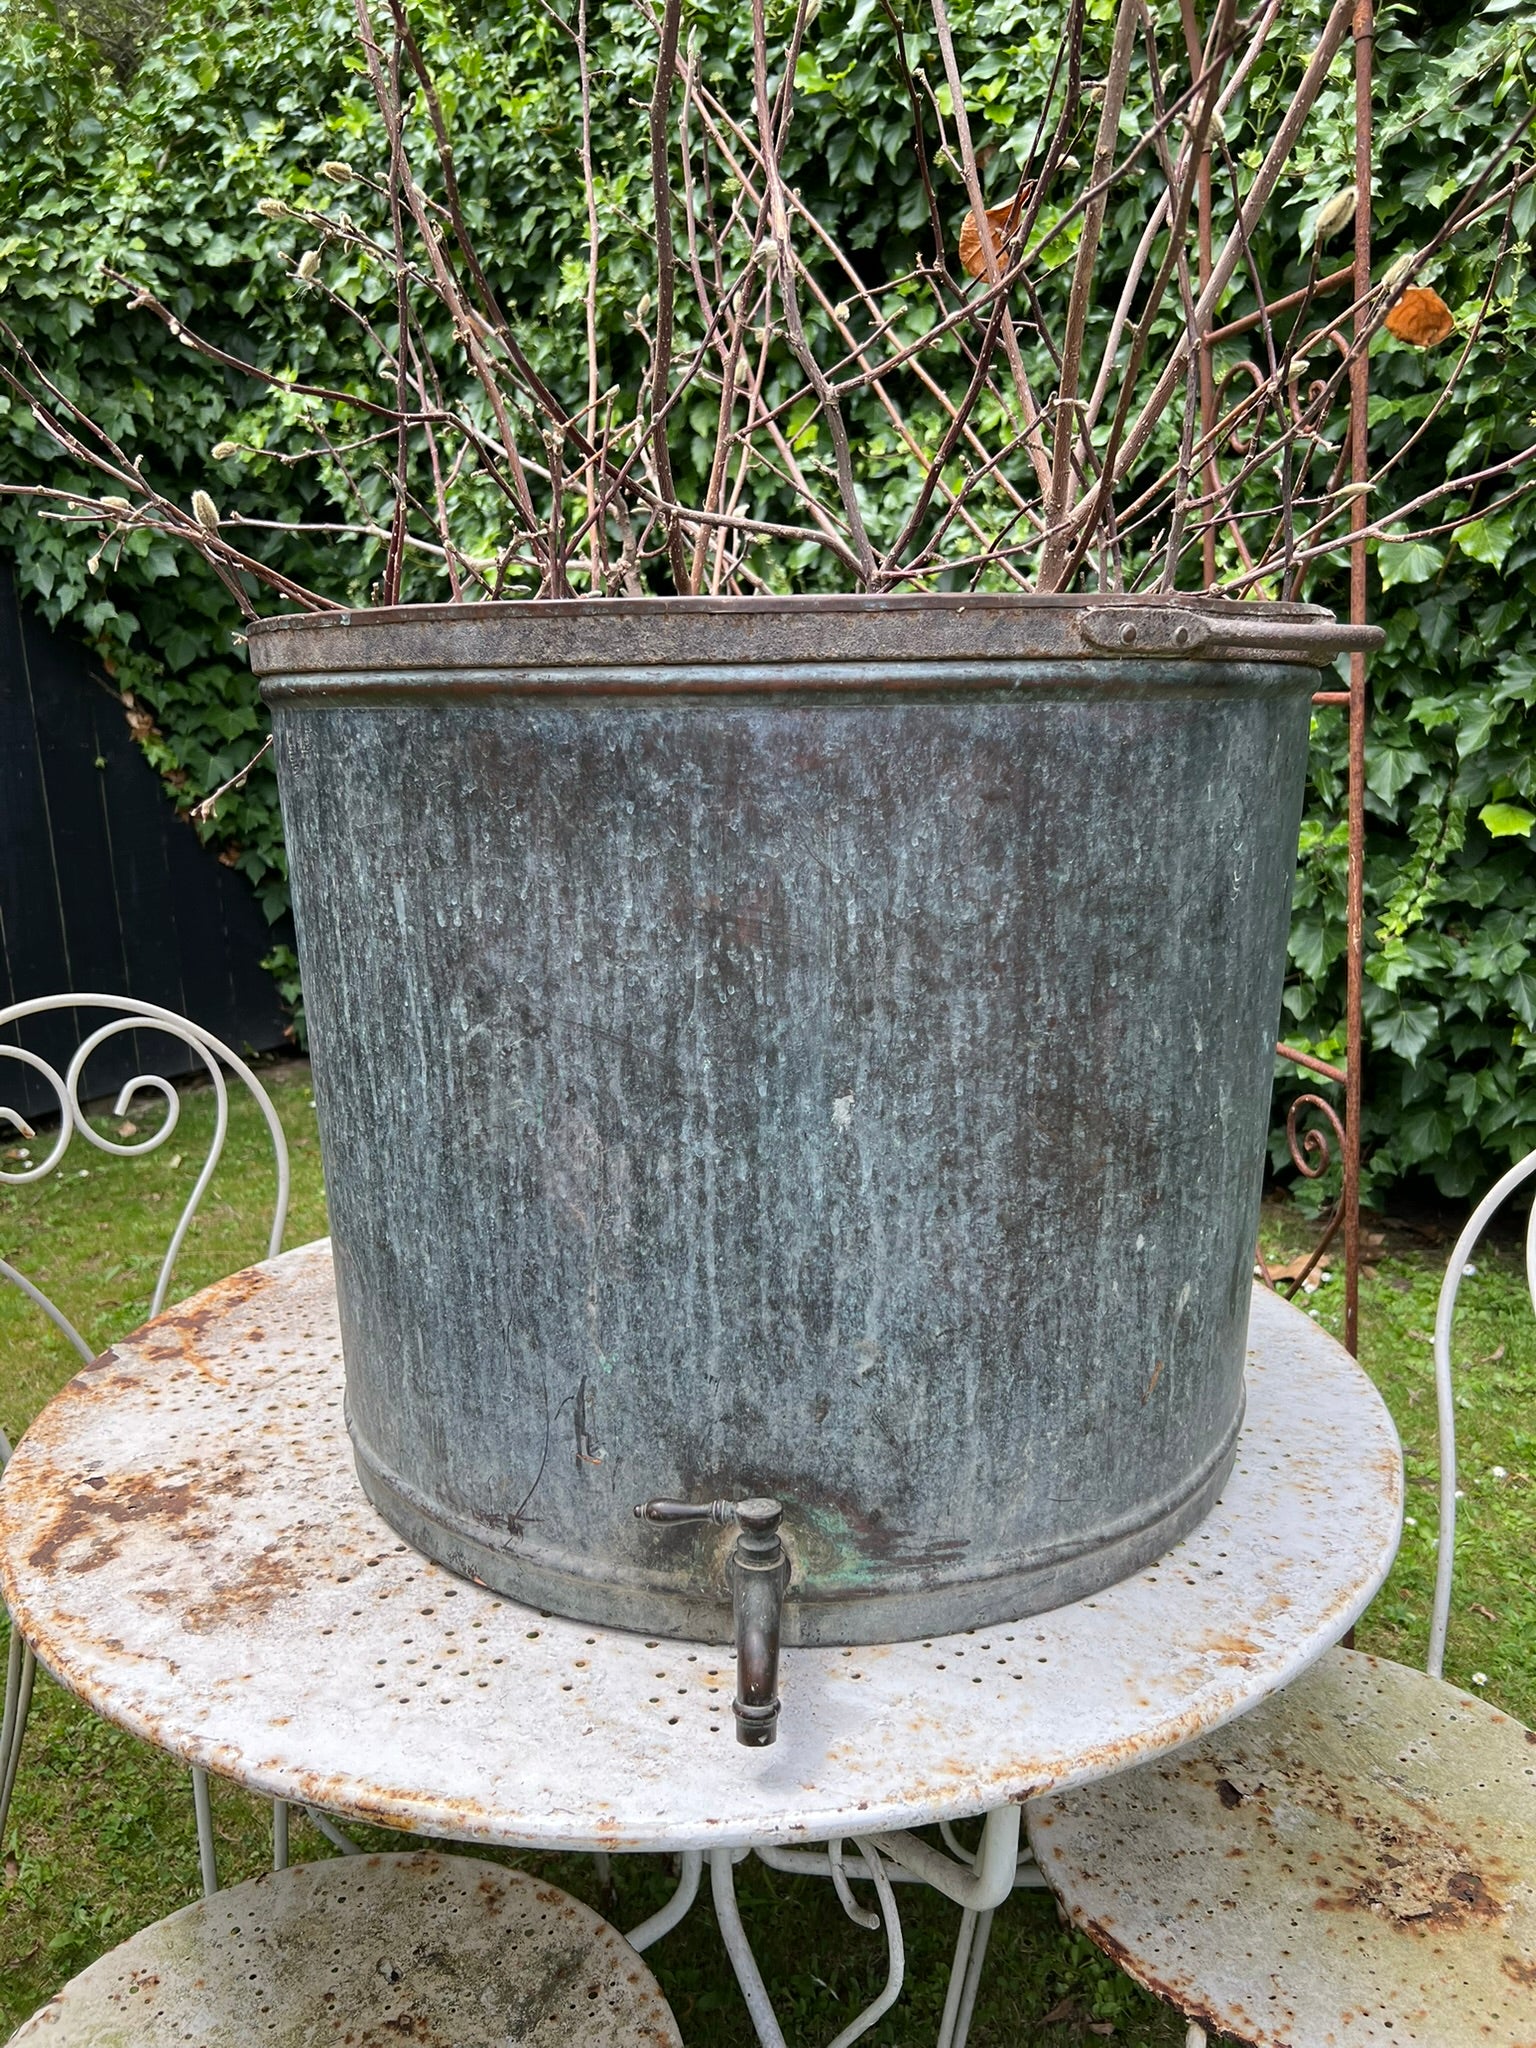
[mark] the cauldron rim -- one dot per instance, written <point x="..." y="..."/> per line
<point x="899" y="627"/>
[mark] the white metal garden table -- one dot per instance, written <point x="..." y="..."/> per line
<point x="184" y="1543"/>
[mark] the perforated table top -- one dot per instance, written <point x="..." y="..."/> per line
<point x="184" y="1542"/>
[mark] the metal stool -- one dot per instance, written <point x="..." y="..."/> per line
<point x="1352" y="1864"/>
<point x="372" y="1951"/>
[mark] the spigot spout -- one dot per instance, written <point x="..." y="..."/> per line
<point x="759" y="1574"/>
<point x="759" y="1570"/>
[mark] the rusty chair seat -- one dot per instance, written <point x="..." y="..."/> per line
<point x="371" y="1951"/>
<point x="1351" y="1863"/>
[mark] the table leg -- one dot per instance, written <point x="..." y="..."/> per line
<point x="331" y="1832"/>
<point x="965" y="1979"/>
<point x="896" y="1967"/>
<point x="985" y="1883"/>
<point x="722" y="1873"/>
<point x="202" y="1806"/>
<point x="722" y="1878"/>
<point x="21" y="1668"/>
<point x="689" y="1867"/>
<point x="958" y="1971"/>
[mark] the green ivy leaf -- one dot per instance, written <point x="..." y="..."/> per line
<point x="1408" y="561"/>
<point x="1424" y="1133"/>
<point x="1507" y="821"/>
<point x="1487" y="540"/>
<point x="1520" y="994"/>
<point x="1477" y="722"/>
<point x="1405" y="1030"/>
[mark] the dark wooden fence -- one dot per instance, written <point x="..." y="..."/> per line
<point x="102" y="886"/>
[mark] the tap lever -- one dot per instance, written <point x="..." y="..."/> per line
<point x="721" y="1511"/>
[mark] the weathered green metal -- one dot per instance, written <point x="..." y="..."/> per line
<point x="815" y="1048"/>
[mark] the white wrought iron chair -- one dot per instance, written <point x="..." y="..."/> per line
<point x="1354" y="1861"/>
<point x="468" y="1945"/>
<point x="126" y="1015"/>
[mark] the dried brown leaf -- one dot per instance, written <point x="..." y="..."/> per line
<point x="1000" y="219"/>
<point x="1293" y="1269"/>
<point x="1420" y="317"/>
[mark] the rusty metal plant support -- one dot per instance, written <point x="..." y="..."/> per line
<point x="1311" y="1151"/>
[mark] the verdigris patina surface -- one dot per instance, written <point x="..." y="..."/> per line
<point x="818" y="1048"/>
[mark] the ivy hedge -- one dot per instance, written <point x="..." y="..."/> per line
<point x="148" y="151"/>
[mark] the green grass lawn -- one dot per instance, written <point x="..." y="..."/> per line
<point x="101" y="1839"/>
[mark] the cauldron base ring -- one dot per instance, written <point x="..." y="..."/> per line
<point x="901" y="1615"/>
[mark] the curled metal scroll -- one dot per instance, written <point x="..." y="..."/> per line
<point x="128" y="1014"/>
<point x="1311" y="1154"/>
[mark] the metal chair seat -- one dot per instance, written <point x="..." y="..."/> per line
<point x="1351" y="1863"/>
<point x="371" y="1951"/>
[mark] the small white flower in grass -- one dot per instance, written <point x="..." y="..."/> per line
<point x="1459" y="1494"/>
<point x="1497" y="1472"/>
<point x="1470" y="1271"/>
<point x="85" y="1173"/>
<point x="1479" y="1678"/>
<point x="1411" y="1521"/>
<point x="205" y="512"/>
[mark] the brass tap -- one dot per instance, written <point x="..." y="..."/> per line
<point x="759" y="1575"/>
